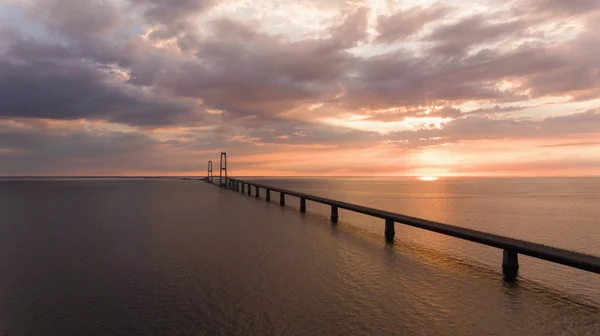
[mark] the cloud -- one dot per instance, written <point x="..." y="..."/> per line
<point x="559" y="7"/>
<point x="190" y="76"/>
<point x="485" y="128"/>
<point x="454" y="39"/>
<point x="304" y="133"/>
<point x="47" y="149"/>
<point x="174" y="19"/>
<point x="400" y="25"/>
<point x="32" y="147"/>
<point x="247" y="72"/>
<point x="350" y="31"/>
<point x="497" y="110"/>
<point x="74" y="17"/>
<point x="573" y="144"/>
<point x="170" y="11"/>
<point x="38" y="80"/>
<point x="398" y="79"/>
<point x="536" y="70"/>
<point x="388" y="115"/>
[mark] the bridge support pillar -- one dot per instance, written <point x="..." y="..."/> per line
<point x="390" y="231"/>
<point x="334" y="214"/>
<point x="302" y="204"/>
<point x="257" y="192"/>
<point x="268" y="195"/>
<point x="510" y="265"/>
<point x="281" y="199"/>
<point x="249" y="189"/>
<point x="237" y="186"/>
<point x="243" y="188"/>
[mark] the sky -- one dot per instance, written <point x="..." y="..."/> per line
<point x="300" y="87"/>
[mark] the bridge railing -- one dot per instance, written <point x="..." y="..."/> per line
<point x="511" y="247"/>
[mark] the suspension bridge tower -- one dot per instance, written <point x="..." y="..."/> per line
<point x="223" y="170"/>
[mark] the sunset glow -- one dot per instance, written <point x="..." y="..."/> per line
<point x="428" y="178"/>
<point x="402" y="88"/>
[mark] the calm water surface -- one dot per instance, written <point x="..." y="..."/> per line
<point x="169" y="257"/>
<point x="559" y="212"/>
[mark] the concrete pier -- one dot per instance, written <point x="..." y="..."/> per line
<point x="281" y="199"/>
<point x="510" y="264"/>
<point x="257" y="192"/>
<point x="268" y="195"/>
<point x="334" y="214"/>
<point x="390" y="231"/>
<point x="302" y="204"/>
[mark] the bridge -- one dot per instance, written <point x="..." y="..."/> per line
<point x="511" y="248"/>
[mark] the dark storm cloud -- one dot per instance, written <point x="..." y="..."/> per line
<point x="38" y="80"/>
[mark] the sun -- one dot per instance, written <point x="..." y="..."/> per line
<point x="428" y="178"/>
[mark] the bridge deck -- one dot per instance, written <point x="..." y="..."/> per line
<point x="514" y="246"/>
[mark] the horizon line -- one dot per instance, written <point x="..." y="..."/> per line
<point x="295" y="176"/>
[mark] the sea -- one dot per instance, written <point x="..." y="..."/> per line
<point x="165" y="256"/>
